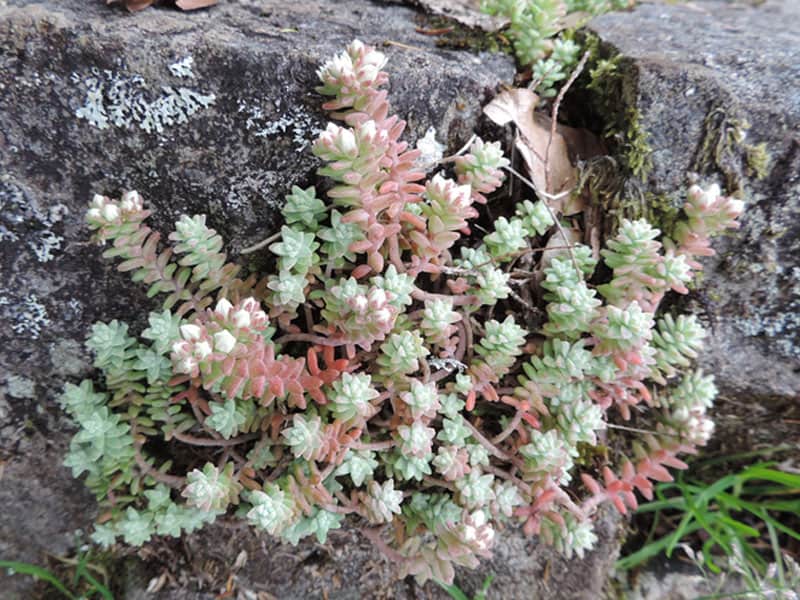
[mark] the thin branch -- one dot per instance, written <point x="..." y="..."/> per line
<point x="273" y="238"/>
<point x="310" y="338"/>
<point x="553" y="216"/>
<point x="461" y="151"/>
<point x="196" y="441"/>
<point x="374" y="536"/>
<point x="508" y="430"/>
<point x="492" y="449"/>
<point x="554" y="115"/>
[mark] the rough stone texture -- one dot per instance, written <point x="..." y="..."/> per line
<point x="347" y="567"/>
<point x="233" y="159"/>
<point x="697" y="66"/>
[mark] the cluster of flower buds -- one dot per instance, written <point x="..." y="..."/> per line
<point x="111" y="218"/>
<point x="482" y="168"/>
<point x="710" y="214"/>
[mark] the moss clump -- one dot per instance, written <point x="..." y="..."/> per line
<point x="452" y="34"/>
<point x="723" y="149"/>
<point x="612" y="94"/>
<point x="758" y="159"/>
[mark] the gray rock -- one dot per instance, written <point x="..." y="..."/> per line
<point x="697" y="74"/>
<point x="207" y="112"/>
<point x="347" y="567"/>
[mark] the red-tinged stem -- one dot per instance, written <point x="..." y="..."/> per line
<point x="461" y="348"/>
<point x="493" y="450"/>
<point x="434" y="481"/>
<point x="579" y="511"/>
<point x="196" y="441"/>
<point x="310" y="338"/>
<point x="335" y="508"/>
<point x="589" y="504"/>
<point x="426" y="370"/>
<point x="469" y="337"/>
<point x="148" y="471"/>
<point x="422" y="295"/>
<point x="378" y="446"/>
<point x="508" y="430"/>
<point x="374" y="536"/>
<point x="526" y="489"/>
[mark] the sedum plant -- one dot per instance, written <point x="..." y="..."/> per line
<point x="535" y="28"/>
<point x="379" y="372"/>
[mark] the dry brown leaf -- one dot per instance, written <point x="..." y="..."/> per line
<point x="569" y="145"/>
<point x="137" y="5"/>
<point x="517" y="106"/>
<point x="133" y="5"/>
<point x="464" y="12"/>
<point x="194" y="4"/>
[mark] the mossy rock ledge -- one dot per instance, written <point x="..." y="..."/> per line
<point x="236" y="124"/>
<point x="714" y="88"/>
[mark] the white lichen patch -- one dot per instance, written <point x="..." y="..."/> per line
<point x="126" y="101"/>
<point x="20" y="387"/>
<point x="69" y="358"/>
<point x="183" y="68"/>
<point x="28" y="316"/>
<point x="295" y="122"/>
<point x="22" y="219"/>
<point x="44" y="244"/>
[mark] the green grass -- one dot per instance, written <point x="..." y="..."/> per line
<point x="742" y="519"/>
<point x="456" y="593"/>
<point x="83" y="584"/>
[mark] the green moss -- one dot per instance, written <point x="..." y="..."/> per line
<point x="612" y="86"/>
<point x="724" y="150"/>
<point x="590" y="456"/>
<point x="452" y="34"/>
<point x="758" y="159"/>
<point x="636" y="148"/>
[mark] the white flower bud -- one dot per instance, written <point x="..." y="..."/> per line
<point x="202" y="349"/>
<point x="359" y="303"/>
<point x="736" y="206"/>
<point x="223" y="308"/>
<point x="186" y="365"/>
<point x="131" y="201"/>
<point x="241" y="318"/>
<point x="478" y="518"/>
<point x="93" y="214"/>
<point x="250" y="304"/>
<point x="224" y="341"/>
<point x="469" y="533"/>
<point x="347" y="142"/>
<point x="191" y="332"/>
<point x="110" y="212"/>
<point x="368" y="129"/>
<point x="180" y="348"/>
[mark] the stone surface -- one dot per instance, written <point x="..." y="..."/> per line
<point x="347" y="567"/>
<point x="205" y="112"/>
<point x="234" y="158"/>
<point x="696" y="67"/>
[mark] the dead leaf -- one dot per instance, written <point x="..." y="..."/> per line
<point x="240" y="562"/>
<point x="568" y="146"/>
<point x="517" y="105"/>
<point x="464" y="12"/>
<point x="133" y="5"/>
<point x="157" y="583"/>
<point x="194" y="4"/>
